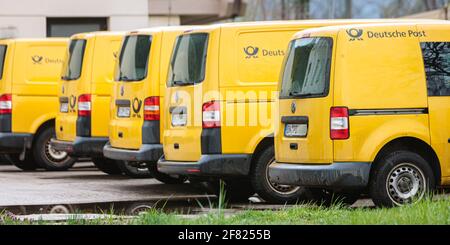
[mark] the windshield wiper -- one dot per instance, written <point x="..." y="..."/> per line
<point x="181" y="83"/>
<point x="298" y="94"/>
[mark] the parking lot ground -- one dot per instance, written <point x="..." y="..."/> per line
<point x="82" y="185"/>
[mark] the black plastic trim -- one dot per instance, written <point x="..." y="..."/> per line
<point x="123" y="103"/>
<point x="211" y="141"/>
<point x="5" y="123"/>
<point x="64" y="99"/>
<point x="393" y="111"/>
<point x="81" y="146"/>
<point x="14" y="142"/>
<point x="214" y="165"/>
<point x="146" y="153"/>
<point x="150" y="132"/>
<point x="338" y="175"/>
<point x="84" y="126"/>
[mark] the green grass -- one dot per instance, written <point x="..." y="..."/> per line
<point x="424" y="212"/>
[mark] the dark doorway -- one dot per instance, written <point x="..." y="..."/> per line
<point x="66" y="27"/>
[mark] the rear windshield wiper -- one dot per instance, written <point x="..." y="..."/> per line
<point x="181" y="83"/>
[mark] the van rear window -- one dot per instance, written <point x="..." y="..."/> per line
<point x="307" y="68"/>
<point x="72" y="70"/>
<point x="187" y="66"/>
<point x="2" y="59"/>
<point x="436" y="57"/>
<point x="134" y="56"/>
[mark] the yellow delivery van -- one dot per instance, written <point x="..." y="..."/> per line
<point x="222" y="86"/>
<point x="84" y="95"/>
<point x="135" y="129"/>
<point x="366" y="109"/>
<point x="29" y="75"/>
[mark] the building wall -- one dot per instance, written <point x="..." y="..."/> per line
<point x="27" y="18"/>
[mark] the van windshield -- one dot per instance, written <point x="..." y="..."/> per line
<point x="72" y="70"/>
<point x="187" y="66"/>
<point x="134" y="56"/>
<point x="2" y="59"/>
<point x="307" y="68"/>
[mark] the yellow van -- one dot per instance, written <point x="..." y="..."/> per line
<point x="84" y="95"/>
<point x="221" y="88"/>
<point x="29" y="75"/>
<point x="366" y="109"/>
<point x="135" y="129"/>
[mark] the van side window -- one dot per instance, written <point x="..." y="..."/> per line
<point x="2" y="59"/>
<point x="307" y="68"/>
<point x="436" y="57"/>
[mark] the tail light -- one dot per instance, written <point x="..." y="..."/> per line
<point x="84" y="105"/>
<point x="5" y="104"/>
<point x="151" y="109"/>
<point x="211" y="114"/>
<point x="339" y="127"/>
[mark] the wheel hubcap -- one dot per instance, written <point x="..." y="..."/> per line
<point x="278" y="188"/>
<point x="54" y="155"/>
<point x="406" y="183"/>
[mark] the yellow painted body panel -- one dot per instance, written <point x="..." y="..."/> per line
<point x="137" y="91"/>
<point x="244" y="79"/>
<point x="96" y="79"/>
<point x="31" y="74"/>
<point x="371" y="73"/>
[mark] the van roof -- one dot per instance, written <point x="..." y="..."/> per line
<point x="33" y="40"/>
<point x="291" y="23"/>
<point x="160" y="29"/>
<point x="97" y="33"/>
<point x="338" y="28"/>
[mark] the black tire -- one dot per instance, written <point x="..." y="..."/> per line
<point x="107" y="166"/>
<point x="328" y="198"/>
<point x="165" y="178"/>
<point x="133" y="171"/>
<point x="236" y="190"/>
<point x="271" y="192"/>
<point x="48" y="158"/>
<point x="397" y="173"/>
<point x="28" y="164"/>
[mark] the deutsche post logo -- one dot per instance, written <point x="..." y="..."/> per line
<point x="37" y="59"/>
<point x="355" y="34"/>
<point x="251" y="52"/>
<point x="72" y="102"/>
<point x="137" y="104"/>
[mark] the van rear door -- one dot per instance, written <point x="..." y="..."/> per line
<point x="72" y="85"/>
<point x="436" y="55"/>
<point x="182" y="137"/>
<point x="303" y="127"/>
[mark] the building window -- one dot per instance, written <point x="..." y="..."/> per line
<point x="66" y="27"/>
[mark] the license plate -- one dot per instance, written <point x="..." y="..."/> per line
<point x="64" y="107"/>
<point x="295" y="130"/>
<point x="123" y="111"/>
<point x="179" y="120"/>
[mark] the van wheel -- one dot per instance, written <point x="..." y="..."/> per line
<point x="107" y="166"/>
<point x="328" y="198"/>
<point x="46" y="156"/>
<point x="27" y="164"/>
<point x="133" y="170"/>
<point x="400" y="178"/>
<point x="235" y="190"/>
<point x="269" y="191"/>
<point x="165" y="178"/>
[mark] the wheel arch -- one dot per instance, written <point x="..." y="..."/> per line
<point x="414" y="145"/>
<point x="262" y="145"/>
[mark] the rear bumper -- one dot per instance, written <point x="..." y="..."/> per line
<point x="146" y="153"/>
<point x="339" y="175"/>
<point x="81" y="146"/>
<point x="214" y="165"/>
<point x="14" y="142"/>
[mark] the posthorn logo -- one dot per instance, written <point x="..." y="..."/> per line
<point x="137" y="104"/>
<point x="355" y="34"/>
<point x="251" y="52"/>
<point x="37" y="59"/>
